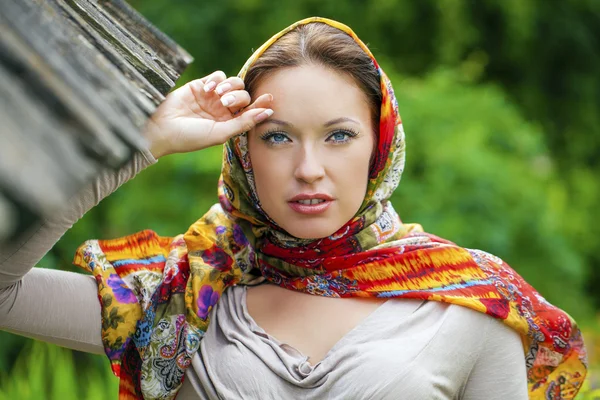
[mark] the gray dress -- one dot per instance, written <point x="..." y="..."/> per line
<point x="405" y="349"/>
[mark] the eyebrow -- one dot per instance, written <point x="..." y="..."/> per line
<point x="326" y="124"/>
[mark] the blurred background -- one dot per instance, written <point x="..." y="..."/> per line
<point x="500" y="102"/>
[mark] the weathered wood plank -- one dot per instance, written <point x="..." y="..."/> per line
<point x="167" y="53"/>
<point x="78" y="80"/>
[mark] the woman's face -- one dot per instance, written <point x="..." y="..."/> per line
<point x="311" y="158"/>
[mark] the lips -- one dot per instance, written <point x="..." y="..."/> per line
<point x="310" y="203"/>
<point x="311" y="196"/>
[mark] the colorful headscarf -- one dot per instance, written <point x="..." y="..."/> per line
<point x="157" y="292"/>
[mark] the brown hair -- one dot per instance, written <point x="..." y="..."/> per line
<point x="319" y="43"/>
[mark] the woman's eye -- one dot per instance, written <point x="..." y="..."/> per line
<point x="275" y="138"/>
<point x="278" y="138"/>
<point x="341" y="136"/>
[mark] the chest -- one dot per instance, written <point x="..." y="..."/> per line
<point x="310" y="324"/>
<point x="419" y="349"/>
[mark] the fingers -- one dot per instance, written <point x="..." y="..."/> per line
<point x="235" y="100"/>
<point x="242" y="123"/>
<point x="211" y="81"/>
<point x="232" y="93"/>
<point x="229" y="84"/>
<point x="230" y="90"/>
<point x="262" y="101"/>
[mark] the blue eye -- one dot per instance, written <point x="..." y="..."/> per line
<point x="278" y="137"/>
<point x="275" y="137"/>
<point x="342" y="136"/>
<point x="339" y="136"/>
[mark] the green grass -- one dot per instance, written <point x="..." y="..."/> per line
<point x="48" y="372"/>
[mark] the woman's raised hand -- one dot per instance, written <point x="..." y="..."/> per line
<point x="203" y="113"/>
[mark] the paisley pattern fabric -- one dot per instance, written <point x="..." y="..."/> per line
<point x="157" y="292"/>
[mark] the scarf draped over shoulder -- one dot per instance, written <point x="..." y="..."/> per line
<point x="157" y="293"/>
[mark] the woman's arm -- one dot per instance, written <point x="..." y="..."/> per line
<point x="62" y="307"/>
<point x="499" y="372"/>
<point x="50" y="305"/>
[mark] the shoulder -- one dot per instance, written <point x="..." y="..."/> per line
<point x="490" y="351"/>
<point x="454" y="318"/>
<point x="499" y="371"/>
<point x="452" y="326"/>
<point x="491" y="332"/>
<point x="442" y="327"/>
<point x="454" y="343"/>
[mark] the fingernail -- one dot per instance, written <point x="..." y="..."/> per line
<point x="227" y="100"/>
<point x="223" y="88"/>
<point x="209" y="86"/>
<point x="263" y="115"/>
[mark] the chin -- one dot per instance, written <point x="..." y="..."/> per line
<point x="311" y="230"/>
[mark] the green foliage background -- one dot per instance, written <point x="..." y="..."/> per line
<point x="500" y="105"/>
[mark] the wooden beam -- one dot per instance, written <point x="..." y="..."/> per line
<point x="78" y="80"/>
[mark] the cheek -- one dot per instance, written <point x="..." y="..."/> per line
<point x="269" y="171"/>
<point x="351" y="174"/>
<point x="264" y="174"/>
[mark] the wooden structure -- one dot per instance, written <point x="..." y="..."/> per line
<point x="78" y="80"/>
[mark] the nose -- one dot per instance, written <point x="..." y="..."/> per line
<point x="309" y="167"/>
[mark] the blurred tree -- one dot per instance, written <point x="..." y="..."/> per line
<point x="480" y="175"/>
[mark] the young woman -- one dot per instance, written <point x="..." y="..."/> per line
<point x="312" y="285"/>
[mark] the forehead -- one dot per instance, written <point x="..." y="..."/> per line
<point x="316" y="92"/>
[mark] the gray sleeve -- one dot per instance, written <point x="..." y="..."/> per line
<point x="57" y="306"/>
<point x="499" y="372"/>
